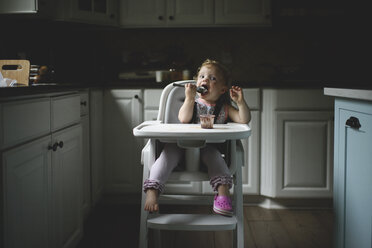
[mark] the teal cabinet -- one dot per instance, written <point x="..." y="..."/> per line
<point x="353" y="173"/>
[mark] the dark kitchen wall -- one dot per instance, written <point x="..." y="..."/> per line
<point x="294" y="48"/>
<point x="73" y="50"/>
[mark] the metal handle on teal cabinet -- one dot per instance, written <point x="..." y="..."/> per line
<point x="353" y="122"/>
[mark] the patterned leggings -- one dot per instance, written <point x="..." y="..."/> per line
<point x="172" y="155"/>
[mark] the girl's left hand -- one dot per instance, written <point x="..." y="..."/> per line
<point x="236" y="94"/>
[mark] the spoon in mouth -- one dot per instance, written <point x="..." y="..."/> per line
<point x="199" y="89"/>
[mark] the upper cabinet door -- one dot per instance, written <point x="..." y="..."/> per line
<point x="142" y="12"/>
<point x="243" y="12"/>
<point x="163" y="13"/>
<point x="190" y="12"/>
<point x="18" y="6"/>
<point x="94" y="11"/>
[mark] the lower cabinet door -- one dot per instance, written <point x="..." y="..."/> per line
<point x="303" y="154"/>
<point x="67" y="186"/>
<point x="356" y="158"/>
<point x="27" y="193"/>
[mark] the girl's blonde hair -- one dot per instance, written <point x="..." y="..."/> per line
<point x="225" y="98"/>
<point x="221" y="68"/>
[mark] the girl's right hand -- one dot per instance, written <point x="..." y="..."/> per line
<point x="190" y="90"/>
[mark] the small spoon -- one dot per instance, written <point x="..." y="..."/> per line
<point x="200" y="89"/>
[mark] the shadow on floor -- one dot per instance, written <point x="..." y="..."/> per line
<point x="111" y="226"/>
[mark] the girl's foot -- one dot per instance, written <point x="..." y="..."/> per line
<point x="222" y="205"/>
<point x="223" y="190"/>
<point x="151" y="203"/>
<point x="222" y="202"/>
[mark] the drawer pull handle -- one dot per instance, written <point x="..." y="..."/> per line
<point x="353" y="122"/>
<point x="83" y="103"/>
<point x="55" y="146"/>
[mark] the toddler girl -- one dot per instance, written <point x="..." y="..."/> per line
<point x="216" y="100"/>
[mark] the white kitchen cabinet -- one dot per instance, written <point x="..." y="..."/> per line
<point x="18" y="6"/>
<point x="67" y="187"/>
<point x="14" y="115"/>
<point x="25" y="6"/>
<point x="165" y="13"/>
<point x="42" y="172"/>
<point x="296" y="144"/>
<point x="243" y="12"/>
<point x="88" y="11"/>
<point x="123" y="110"/>
<point x="151" y="104"/>
<point x="194" y="13"/>
<point x="27" y="195"/>
<point x="96" y="144"/>
<point x="85" y="125"/>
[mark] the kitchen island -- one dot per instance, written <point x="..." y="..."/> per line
<point x="352" y="167"/>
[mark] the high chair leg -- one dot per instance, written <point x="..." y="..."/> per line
<point x="239" y="209"/>
<point x="238" y="200"/>
<point x="143" y="224"/>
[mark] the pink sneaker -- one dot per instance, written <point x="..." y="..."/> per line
<point x="222" y="205"/>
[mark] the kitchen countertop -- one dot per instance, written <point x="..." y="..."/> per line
<point x="151" y="84"/>
<point x="359" y="94"/>
<point x="39" y="89"/>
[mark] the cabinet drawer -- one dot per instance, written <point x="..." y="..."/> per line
<point x="253" y="98"/>
<point x="152" y="98"/>
<point x="23" y="120"/>
<point x="84" y="103"/>
<point x="150" y="115"/>
<point x="65" y="111"/>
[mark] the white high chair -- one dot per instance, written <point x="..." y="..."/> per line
<point x="191" y="137"/>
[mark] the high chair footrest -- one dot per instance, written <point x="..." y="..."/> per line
<point x="192" y="222"/>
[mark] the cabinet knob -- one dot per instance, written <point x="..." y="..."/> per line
<point x="83" y="103"/>
<point x="112" y="16"/>
<point x="353" y="122"/>
<point x="53" y="147"/>
<point x="171" y="18"/>
<point x="160" y="18"/>
<point x="136" y="96"/>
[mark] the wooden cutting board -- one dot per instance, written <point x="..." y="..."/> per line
<point x="16" y="69"/>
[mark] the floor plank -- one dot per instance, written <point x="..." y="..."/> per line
<point x="305" y="228"/>
<point x="268" y="234"/>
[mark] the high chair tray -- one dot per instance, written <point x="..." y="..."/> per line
<point x="219" y="132"/>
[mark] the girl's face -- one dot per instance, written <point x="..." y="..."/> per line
<point x="210" y="78"/>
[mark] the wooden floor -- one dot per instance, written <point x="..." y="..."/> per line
<point x="118" y="226"/>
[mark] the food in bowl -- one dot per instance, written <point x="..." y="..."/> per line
<point x="206" y="121"/>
